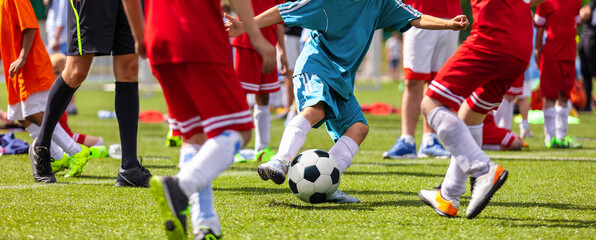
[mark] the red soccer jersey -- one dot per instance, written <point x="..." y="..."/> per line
<point x="560" y="17"/>
<point x="502" y="26"/>
<point x="437" y="8"/>
<point x="269" y="33"/>
<point x="186" y="31"/>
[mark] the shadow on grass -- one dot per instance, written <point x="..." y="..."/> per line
<point x="551" y="223"/>
<point x="395" y="163"/>
<point x="96" y="177"/>
<point x="161" y="166"/>
<point x="562" y="206"/>
<point x="254" y="190"/>
<point x="398" y="173"/>
<point x="362" y="206"/>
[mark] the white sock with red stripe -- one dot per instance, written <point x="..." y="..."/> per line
<point x="64" y="141"/>
<point x="476" y="131"/>
<point x="344" y="151"/>
<point x="293" y="138"/>
<point x="215" y="156"/>
<point x="550" y="115"/>
<point x="55" y="151"/>
<point x="262" y="119"/>
<point x="504" y="114"/>
<point x="456" y="138"/>
<point x="561" y="122"/>
<point x="454" y="184"/>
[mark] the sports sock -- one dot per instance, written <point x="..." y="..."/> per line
<point x="476" y="131"/>
<point x="504" y="114"/>
<point x="262" y="119"/>
<point x="561" y="122"/>
<point x="428" y="139"/>
<point x="126" y="102"/>
<point x="525" y="125"/>
<point x="344" y="151"/>
<point x="454" y="184"/>
<point x="293" y="138"/>
<point x="65" y="142"/>
<point x="456" y="138"/>
<point x="215" y="156"/>
<point x="550" y="116"/>
<point x="408" y="139"/>
<point x="99" y="142"/>
<point x="187" y="151"/>
<point x="55" y="151"/>
<point x="58" y="99"/>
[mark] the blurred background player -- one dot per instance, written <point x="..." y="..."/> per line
<point x="557" y="66"/>
<point x="393" y="55"/>
<point x="587" y="51"/>
<point x="325" y="71"/>
<point x="97" y="28"/>
<point x="248" y="65"/>
<point x="425" y="52"/>
<point x="215" y="121"/>
<point x="496" y="138"/>
<point x="28" y="73"/>
<point x="473" y="81"/>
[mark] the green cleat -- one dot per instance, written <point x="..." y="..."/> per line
<point x="60" y="164"/>
<point x="238" y="158"/>
<point x="571" y="143"/>
<point x="264" y="155"/>
<point x="78" y="161"/>
<point x="173" y="141"/>
<point x="555" y="143"/>
<point x="173" y="205"/>
<point x="98" y="151"/>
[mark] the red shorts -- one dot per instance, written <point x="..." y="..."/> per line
<point x="204" y="97"/>
<point x="248" y="68"/>
<point x="517" y="87"/>
<point x="556" y="77"/>
<point x="481" y="78"/>
<point x="491" y="134"/>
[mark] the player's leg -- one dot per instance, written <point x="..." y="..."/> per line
<point x="562" y="107"/>
<point x="550" y="80"/>
<point x="523" y="101"/>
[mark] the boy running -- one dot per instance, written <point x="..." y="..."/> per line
<point x="326" y="68"/>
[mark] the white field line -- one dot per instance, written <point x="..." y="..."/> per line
<point x="507" y="157"/>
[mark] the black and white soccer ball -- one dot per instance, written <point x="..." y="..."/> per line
<point x="313" y="176"/>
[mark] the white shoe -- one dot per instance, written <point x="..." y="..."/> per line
<point x="524" y="130"/>
<point x="275" y="170"/>
<point x="484" y="187"/>
<point x="341" y="197"/>
<point x="435" y="200"/>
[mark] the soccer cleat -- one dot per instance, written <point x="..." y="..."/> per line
<point x="275" y="170"/>
<point x="135" y="177"/>
<point x="555" y="143"/>
<point x="60" y="164"/>
<point x="524" y="131"/>
<point x="41" y="163"/>
<point x="434" y="150"/>
<point x="239" y="158"/>
<point x="571" y="143"/>
<point x="400" y="150"/>
<point x="98" y="151"/>
<point x="77" y="162"/>
<point x="173" y="141"/>
<point x="484" y="187"/>
<point x="206" y="233"/>
<point x="173" y="205"/>
<point x="264" y="155"/>
<point x="435" y="200"/>
<point x="341" y="197"/>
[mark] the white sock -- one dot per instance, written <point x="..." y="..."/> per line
<point x="525" y="125"/>
<point x="55" y="151"/>
<point x="215" y="156"/>
<point x="187" y="152"/>
<point x="293" y="138"/>
<point x="454" y="184"/>
<point x="456" y="138"/>
<point x="344" y="151"/>
<point x="550" y="116"/>
<point x="428" y="139"/>
<point x="99" y="142"/>
<point x="561" y="122"/>
<point x="476" y="131"/>
<point x="408" y="139"/>
<point x="504" y="114"/>
<point x="262" y="126"/>
<point x="65" y="142"/>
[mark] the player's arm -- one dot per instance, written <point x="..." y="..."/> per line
<point x="281" y="49"/>
<point x="134" y="13"/>
<point x="538" y="45"/>
<point x="265" y="19"/>
<point x="458" y="23"/>
<point x="261" y="45"/>
<point x="28" y="35"/>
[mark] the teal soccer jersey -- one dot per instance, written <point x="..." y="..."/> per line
<point x="342" y="33"/>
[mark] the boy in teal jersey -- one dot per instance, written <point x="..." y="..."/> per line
<point x="326" y="68"/>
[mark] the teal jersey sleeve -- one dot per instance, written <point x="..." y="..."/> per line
<point x="308" y="14"/>
<point x="397" y="15"/>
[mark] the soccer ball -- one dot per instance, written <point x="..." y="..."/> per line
<point x="313" y="176"/>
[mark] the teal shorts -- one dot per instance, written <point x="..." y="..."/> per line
<point x="340" y="113"/>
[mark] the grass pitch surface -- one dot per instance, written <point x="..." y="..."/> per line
<point x="550" y="194"/>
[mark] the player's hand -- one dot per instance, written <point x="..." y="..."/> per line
<point x="585" y="13"/>
<point x="284" y="63"/>
<point x="140" y="49"/>
<point x="233" y="26"/>
<point x="267" y="52"/>
<point x="459" y="22"/>
<point x="15" y="66"/>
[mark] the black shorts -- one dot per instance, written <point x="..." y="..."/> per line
<point x="98" y="27"/>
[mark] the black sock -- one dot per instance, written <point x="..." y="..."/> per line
<point x="58" y="99"/>
<point x="127" y="111"/>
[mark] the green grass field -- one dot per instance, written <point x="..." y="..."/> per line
<point x="550" y="194"/>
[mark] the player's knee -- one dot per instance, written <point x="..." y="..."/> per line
<point x="74" y="76"/>
<point x="127" y="71"/>
<point x="414" y="85"/>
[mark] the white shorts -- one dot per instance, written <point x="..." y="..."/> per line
<point x="527" y="89"/>
<point x="425" y="52"/>
<point x="35" y="103"/>
<point x="292" y="50"/>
